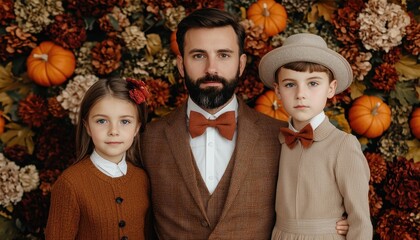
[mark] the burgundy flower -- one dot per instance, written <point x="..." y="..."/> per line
<point x="106" y="56"/>
<point x="375" y="202"/>
<point x="159" y="93"/>
<point x="249" y="86"/>
<point x="33" y="110"/>
<point x="54" y="146"/>
<point x="377" y="167"/>
<point x="397" y="224"/>
<point x="6" y="12"/>
<point x="47" y="179"/>
<point x="67" y="31"/>
<point x="402" y="185"/>
<point x="385" y="77"/>
<point x="95" y="8"/>
<point x="17" y="153"/>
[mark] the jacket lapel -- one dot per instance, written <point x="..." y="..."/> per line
<point x="247" y="136"/>
<point x="178" y="140"/>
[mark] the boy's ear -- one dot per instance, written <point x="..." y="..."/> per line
<point x="332" y="88"/>
<point x="277" y="90"/>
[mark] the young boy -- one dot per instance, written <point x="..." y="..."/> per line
<point x="323" y="172"/>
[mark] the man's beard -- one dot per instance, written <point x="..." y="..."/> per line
<point x="211" y="97"/>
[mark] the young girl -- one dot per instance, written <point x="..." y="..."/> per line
<point x="104" y="195"/>
<point x="323" y="172"/>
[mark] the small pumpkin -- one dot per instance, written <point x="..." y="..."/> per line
<point x="269" y="104"/>
<point x="415" y="122"/>
<point x="50" y="64"/>
<point x="270" y="15"/>
<point x="369" y="116"/>
<point x="174" y="44"/>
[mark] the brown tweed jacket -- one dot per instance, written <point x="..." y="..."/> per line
<point x="179" y="212"/>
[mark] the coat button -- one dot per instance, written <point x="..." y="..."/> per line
<point x="121" y="224"/>
<point x="204" y="223"/>
<point x="119" y="200"/>
<point x="124" y="238"/>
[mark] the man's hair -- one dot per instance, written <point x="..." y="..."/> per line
<point x="209" y="18"/>
<point x="306" y="66"/>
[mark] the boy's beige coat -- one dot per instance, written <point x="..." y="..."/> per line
<point x="247" y="213"/>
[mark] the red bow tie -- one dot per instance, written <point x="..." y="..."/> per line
<point x="305" y="135"/>
<point x="225" y="124"/>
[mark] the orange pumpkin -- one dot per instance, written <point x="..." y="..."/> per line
<point x="174" y="44"/>
<point x="50" y="64"/>
<point x="415" y="122"/>
<point x="270" y="15"/>
<point x="269" y="104"/>
<point x="369" y="116"/>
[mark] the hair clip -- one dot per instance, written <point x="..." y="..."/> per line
<point x="138" y="90"/>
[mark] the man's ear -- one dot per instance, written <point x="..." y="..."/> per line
<point x="242" y="63"/>
<point x="180" y="64"/>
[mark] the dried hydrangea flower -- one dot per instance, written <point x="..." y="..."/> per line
<point x="34" y="16"/>
<point x="173" y="16"/>
<point x="11" y="190"/>
<point x="382" y="25"/>
<point x="71" y="97"/>
<point x="29" y="178"/>
<point x="134" y="38"/>
<point x="84" y="59"/>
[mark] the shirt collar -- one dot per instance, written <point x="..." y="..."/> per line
<point x="107" y="167"/>
<point x="231" y="106"/>
<point x="315" y="121"/>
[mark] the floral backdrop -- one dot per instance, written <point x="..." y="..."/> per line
<point x="85" y="40"/>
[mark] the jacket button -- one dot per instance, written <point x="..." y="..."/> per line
<point x="121" y="224"/>
<point x="119" y="200"/>
<point x="124" y="238"/>
<point x="204" y="223"/>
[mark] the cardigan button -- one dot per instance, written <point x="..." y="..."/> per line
<point x="121" y="224"/>
<point x="119" y="200"/>
<point x="124" y="238"/>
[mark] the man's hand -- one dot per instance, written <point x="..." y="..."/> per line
<point x="342" y="226"/>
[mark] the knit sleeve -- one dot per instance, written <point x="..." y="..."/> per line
<point x="63" y="218"/>
<point x="353" y="175"/>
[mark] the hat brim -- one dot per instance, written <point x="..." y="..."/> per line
<point x="278" y="57"/>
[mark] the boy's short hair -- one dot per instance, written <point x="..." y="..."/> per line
<point x="306" y="47"/>
<point x="302" y="66"/>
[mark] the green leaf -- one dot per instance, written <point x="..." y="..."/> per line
<point x="405" y="92"/>
<point x="114" y="22"/>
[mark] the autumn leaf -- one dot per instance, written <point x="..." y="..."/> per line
<point x="405" y="92"/>
<point x="9" y="82"/>
<point x="6" y="102"/>
<point x="15" y="134"/>
<point x="357" y="88"/>
<point x="408" y="67"/>
<point x="413" y="150"/>
<point x="323" y="8"/>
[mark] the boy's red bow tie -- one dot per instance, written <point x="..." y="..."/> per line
<point x="305" y="135"/>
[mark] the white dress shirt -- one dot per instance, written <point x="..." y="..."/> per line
<point x="211" y="151"/>
<point x="315" y="121"/>
<point x="109" y="168"/>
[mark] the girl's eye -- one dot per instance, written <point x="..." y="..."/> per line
<point x="313" y="84"/>
<point x="101" y="121"/>
<point x="125" y="122"/>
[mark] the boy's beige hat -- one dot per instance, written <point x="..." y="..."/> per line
<point x="308" y="48"/>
